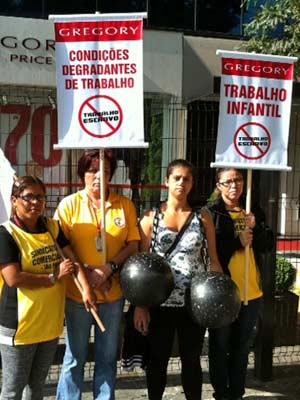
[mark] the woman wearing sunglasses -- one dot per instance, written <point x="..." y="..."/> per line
<point x="32" y="289"/>
<point x="229" y="345"/>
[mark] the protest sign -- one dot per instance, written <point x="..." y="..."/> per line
<point x="255" y="104"/>
<point x="99" y="64"/>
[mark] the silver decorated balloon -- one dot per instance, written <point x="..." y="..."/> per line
<point x="214" y="299"/>
<point x="146" y="279"/>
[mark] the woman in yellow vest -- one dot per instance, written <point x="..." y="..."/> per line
<point x="229" y="346"/>
<point x="32" y="290"/>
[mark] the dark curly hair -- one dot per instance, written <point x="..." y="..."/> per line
<point x="23" y="182"/>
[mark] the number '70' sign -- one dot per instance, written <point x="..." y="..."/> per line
<point x="38" y="133"/>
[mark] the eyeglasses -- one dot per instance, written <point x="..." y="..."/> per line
<point x="30" y="198"/>
<point x="230" y="182"/>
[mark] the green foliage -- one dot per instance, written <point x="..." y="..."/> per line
<point x="285" y="275"/>
<point x="212" y="198"/>
<point x="153" y="170"/>
<point x="275" y="30"/>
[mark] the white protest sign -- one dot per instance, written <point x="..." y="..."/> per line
<point x="255" y="105"/>
<point x="99" y="65"/>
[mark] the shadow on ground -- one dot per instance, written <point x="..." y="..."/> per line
<point x="285" y="385"/>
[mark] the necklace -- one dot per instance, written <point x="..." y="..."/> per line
<point x="98" y="240"/>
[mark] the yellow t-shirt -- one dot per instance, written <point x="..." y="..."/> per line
<point x="79" y="222"/>
<point x="40" y="310"/>
<point x="237" y="264"/>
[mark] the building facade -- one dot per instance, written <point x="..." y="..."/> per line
<point x="181" y="98"/>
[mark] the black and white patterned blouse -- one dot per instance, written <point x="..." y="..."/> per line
<point x="185" y="260"/>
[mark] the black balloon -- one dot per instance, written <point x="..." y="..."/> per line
<point x="146" y="279"/>
<point x="214" y="299"/>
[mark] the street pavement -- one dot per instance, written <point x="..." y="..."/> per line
<point x="285" y="385"/>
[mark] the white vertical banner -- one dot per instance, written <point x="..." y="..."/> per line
<point x="255" y="106"/>
<point x="6" y="181"/>
<point x="99" y="65"/>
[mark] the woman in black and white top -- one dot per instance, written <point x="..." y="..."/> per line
<point x="162" y="322"/>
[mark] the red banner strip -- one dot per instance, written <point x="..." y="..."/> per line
<point x="257" y="68"/>
<point x="98" y="31"/>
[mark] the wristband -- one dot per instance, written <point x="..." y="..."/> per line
<point x="114" y="267"/>
<point x="52" y="278"/>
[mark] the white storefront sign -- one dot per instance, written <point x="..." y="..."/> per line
<point x="27" y="48"/>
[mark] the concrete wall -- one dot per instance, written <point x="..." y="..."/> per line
<point x="201" y="64"/>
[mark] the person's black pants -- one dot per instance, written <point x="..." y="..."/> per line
<point x="228" y="352"/>
<point x="165" y="321"/>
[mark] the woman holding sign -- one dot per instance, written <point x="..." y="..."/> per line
<point x="81" y="220"/>
<point x="229" y="346"/>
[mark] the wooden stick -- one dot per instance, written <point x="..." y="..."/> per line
<point x="102" y="205"/>
<point x="94" y="312"/>
<point x="77" y="283"/>
<point x="247" y="248"/>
